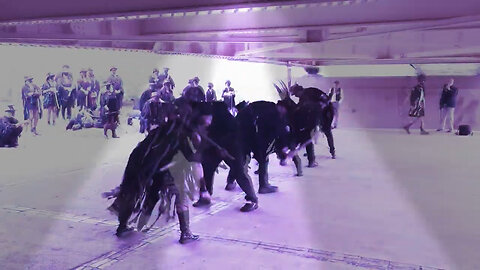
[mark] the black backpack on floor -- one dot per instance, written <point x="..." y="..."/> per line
<point x="464" y="130"/>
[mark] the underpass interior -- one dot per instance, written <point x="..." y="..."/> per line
<point x="388" y="201"/>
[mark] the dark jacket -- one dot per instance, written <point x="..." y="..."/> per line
<point x="196" y="94"/>
<point x="211" y="95"/>
<point x="313" y="95"/>
<point x="416" y="94"/>
<point x="146" y="95"/>
<point x="449" y="97"/>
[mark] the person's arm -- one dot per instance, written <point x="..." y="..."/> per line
<point x="87" y="90"/>
<point x="146" y="109"/>
<point x="422" y="97"/>
<point x="24" y="94"/>
<point x="442" y="98"/>
<point x="121" y="84"/>
<point x="45" y="90"/>
<point x="184" y="92"/>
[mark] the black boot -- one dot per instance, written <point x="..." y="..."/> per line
<point x="123" y="230"/>
<point x="230" y="186"/>
<point x="203" y="200"/>
<point x="186" y="235"/>
<point x="424" y="132"/>
<point x="312" y="164"/>
<point x="123" y="216"/>
<point x="265" y="186"/>
<point x="311" y="156"/>
<point x="114" y="134"/>
<point x="267" y="189"/>
<point x="248" y="207"/>
<point x="298" y="165"/>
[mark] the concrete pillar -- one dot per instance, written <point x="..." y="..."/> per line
<point x="289" y="75"/>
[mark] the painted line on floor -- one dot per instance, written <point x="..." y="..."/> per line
<point x="153" y="235"/>
<point x="320" y="255"/>
<point x="59" y="215"/>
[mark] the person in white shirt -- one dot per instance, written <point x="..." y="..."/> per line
<point x="336" y="97"/>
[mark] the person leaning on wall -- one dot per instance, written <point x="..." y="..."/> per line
<point x="448" y="101"/>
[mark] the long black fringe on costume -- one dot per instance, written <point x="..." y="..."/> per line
<point x="152" y="154"/>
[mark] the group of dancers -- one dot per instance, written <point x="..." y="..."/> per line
<point x="168" y="166"/>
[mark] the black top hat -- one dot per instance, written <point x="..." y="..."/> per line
<point x="28" y="78"/>
<point x="10" y="109"/>
<point x="113" y="68"/>
<point x="312" y="70"/>
<point x="50" y="75"/>
<point x="421" y="77"/>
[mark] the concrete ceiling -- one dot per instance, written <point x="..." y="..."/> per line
<point x="296" y="32"/>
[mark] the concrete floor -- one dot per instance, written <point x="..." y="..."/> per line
<point x="390" y="201"/>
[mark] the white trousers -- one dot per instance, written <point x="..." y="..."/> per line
<point x="444" y="113"/>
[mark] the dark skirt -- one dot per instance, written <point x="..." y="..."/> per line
<point x="81" y="100"/>
<point x="416" y="111"/>
<point x="49" y="101"/>
<point x="32" y="103"/>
